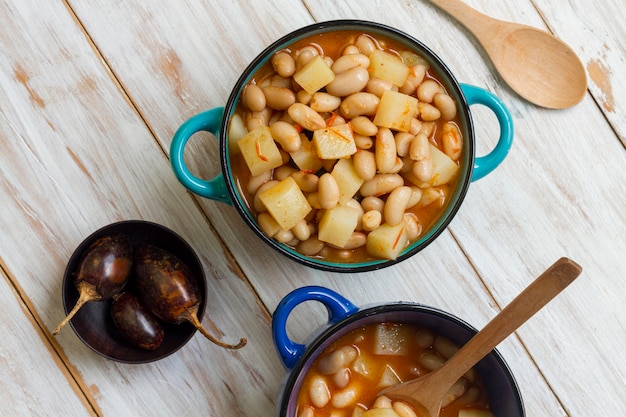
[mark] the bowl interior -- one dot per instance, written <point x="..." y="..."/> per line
<point x="93" y="323"/>
<point x="453" y="88"/>
<point x="502" y="390"/>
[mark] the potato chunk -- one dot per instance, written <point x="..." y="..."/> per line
<point x="286" y="203"/>
<point x="260" y="151"/>
<point x="337" y="225"/>
<point x="387" y="241"/>
<point x="314" y="75"/>
<point x="396" y="110"/>
<point x="347" y="178"/>
<point x="334" y="142"/>
<point x="306" y="157"/>
<point x="389" y="67"/>
<point x="391" y="339"/>
<point x="444" y="170"/>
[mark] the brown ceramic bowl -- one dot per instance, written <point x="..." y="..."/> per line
<point x="93" y="324"/>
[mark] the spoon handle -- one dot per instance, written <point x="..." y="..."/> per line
<point x="481" y="25"/>
<point x="539" y="293"/>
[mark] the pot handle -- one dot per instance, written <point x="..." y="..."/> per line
<point x="208" y="121"/>
<point x="483" y="165"/>
<point x="337" y="306"/>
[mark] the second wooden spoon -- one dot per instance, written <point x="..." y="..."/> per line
<point x="535" y="64"/>
<point x="426" y="393"/>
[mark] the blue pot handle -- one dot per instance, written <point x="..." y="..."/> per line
<point x="485" y="164"/>
<point x="338" y="308"/>
<point x="208" y="121"/>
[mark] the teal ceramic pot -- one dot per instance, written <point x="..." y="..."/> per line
<point x="224" y="189"/>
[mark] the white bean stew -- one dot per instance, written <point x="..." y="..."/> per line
<point x="345" y="379"/>
<point x="346" y="147"/>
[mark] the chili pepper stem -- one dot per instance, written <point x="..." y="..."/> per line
<point x="191" y="315"/>
<point x="87" y="292"/>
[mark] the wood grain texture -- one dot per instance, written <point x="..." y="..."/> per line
<point x="90" y="96"/>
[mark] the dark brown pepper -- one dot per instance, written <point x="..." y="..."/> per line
<point x="103" y="271"/>
<point x="135" y="323"/>
<point x="167" y="288"/>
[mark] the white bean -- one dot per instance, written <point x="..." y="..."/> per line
<point x="306" y="411"/>
<point x="349" y="82"/>
<point x="371" y="220"/>
<point x="423" y="170"/>
<point x="366" y="44"/>
<point x="307" y="182"/>
<point x="382" y="401"/>
<point x="428" y="112"/>
<point x="412" y="226"/>
<point x="364" y="126"/>
<point x="306" y="117"/>
<point x="286" y="135"/>
<point x="342" y="378"/>
<point x="378" y="86"/>
<point x="349" y="61"/>
<point x="373" y="203"/>
<point x="253" y="98"/>
<point x="431" y="361"/>
<point x="419" y="147"/>
<point x="451" y="141"/>
<point x="323" y="102"/>
<point x="445" y="347"/>
<point x="279" y="98"/>
<point x="359" y="104"/>
<point x="345" y="397"/>
<point x="426" y="90"/>
<point x="364" y="164"/>
<point x="446" y="105"/>
<point x="328" y="191"/>
<point x="301" y="230"/>
<point x="381" y="184"/>
<point x="257" y="181"/>
<point x="284" y="64"/>
<point x="337" y="359"/>
<point x="363" y="142"/>
<point x="283" y="172"/>
<point x="396" y="204"/>
<point x="402" y="409"/>
<point x="310" y="247"/>
<point x="319" y="392"/>
<point x="403" y="142"/>
<point x="416" y="196"/>
<point x="385" y="150"/>
<point x="284" y="236"/>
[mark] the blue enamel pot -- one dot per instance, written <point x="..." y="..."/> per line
<point x="223" y="187"/>
<point x="343" y="317"/>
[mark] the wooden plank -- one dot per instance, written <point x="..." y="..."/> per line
<point x="37" y="372"/>
<point x="76" y="156"/>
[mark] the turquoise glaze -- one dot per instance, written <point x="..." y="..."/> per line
<point x="483" y="165"/>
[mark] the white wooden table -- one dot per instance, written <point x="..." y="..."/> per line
<point x="91" y="93"/>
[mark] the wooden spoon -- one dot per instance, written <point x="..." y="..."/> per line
<point x="426" y="393"/>
<point x="535" y="64"/>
